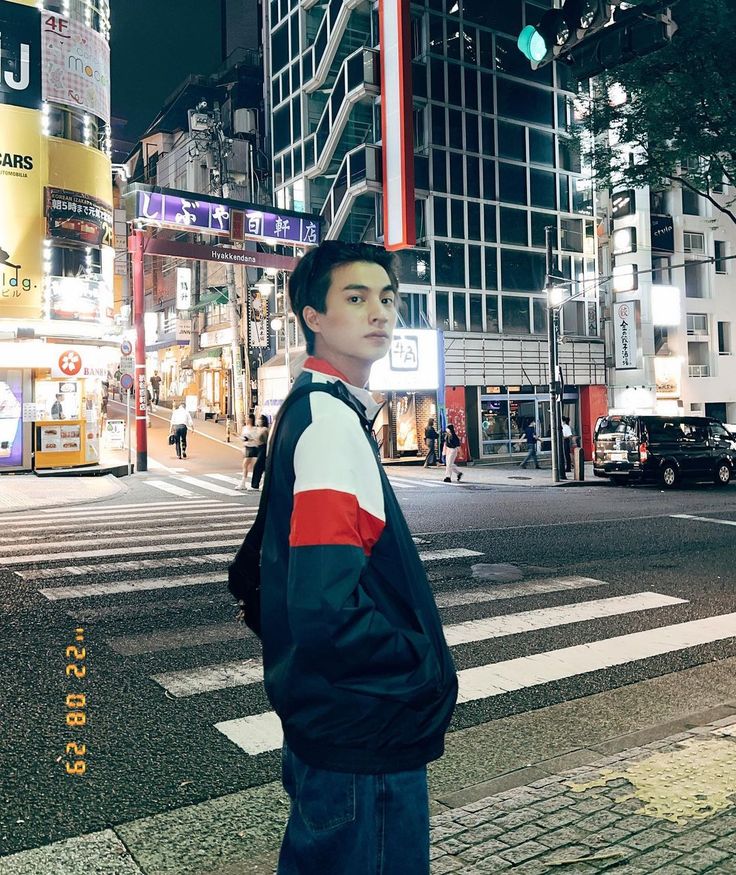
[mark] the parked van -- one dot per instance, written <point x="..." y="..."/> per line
<point x="666" y="449"/>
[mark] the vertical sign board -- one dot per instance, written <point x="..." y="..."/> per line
<point x="626" y="334"/>
<point x="20" y="56"/>
<point x="399" y="222"/>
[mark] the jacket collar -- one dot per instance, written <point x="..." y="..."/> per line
<point x="363" y="396"/>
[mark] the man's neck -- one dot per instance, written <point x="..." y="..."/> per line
<point x="355" y="371"/>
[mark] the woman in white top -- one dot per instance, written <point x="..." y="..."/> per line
<point x="250" y="435"/>
<point x="180" y="422"/>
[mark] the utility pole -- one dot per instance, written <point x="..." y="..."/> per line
<point x="141" y="404"/>
<point x="558" y="471"/>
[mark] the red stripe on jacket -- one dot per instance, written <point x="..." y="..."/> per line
<point x="327" y="516"/>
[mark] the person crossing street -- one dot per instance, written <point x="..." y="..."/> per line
<point x="181" y="422"/>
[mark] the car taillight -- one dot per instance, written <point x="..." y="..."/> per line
<point x="643" y="452"/>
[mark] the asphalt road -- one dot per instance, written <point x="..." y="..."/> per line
<point x="172" y="717"/>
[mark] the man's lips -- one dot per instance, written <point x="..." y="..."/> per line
<point x="381" y="334"/>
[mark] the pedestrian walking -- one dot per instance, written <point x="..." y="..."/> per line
<point x="180" y="423"/>
<point x="452" y="448"/>
<point x="530" y="434"/>
<point x="355" y="661"/>
<point x="249" y="437"/>
<point x="155" y="387"/>
<point x="567" y="442"/>
<point x="262" y="439"/>
<point x="430" y="439"/>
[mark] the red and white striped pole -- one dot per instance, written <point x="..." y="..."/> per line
<point x="141" y="404"/>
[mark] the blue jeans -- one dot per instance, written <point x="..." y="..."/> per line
<point x="343" y="823"/>
<point x="531" y="456"/>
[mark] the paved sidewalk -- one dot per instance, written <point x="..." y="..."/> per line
<point x="19" y="492"/>
<point x="509" y="474"/>
<point x="660" y="807"/>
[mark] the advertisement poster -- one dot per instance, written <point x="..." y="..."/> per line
<point x="83" y="300"/>
<point x="20" y="58"/>
<point x="75" y="167"/>
<point x="71" y="215"/>
<point x="50" y="438"/>
<point x="21" y="219"/>
<point x="411" y="364"/>
<point x="626" y="334"/>
<point x="406" y="423"/>
<point x="11" y="408"/>
<point x="76" y="66"/>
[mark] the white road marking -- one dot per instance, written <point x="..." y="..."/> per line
<point x="58" y="593"/>
<point x="164" y="486"/>
<point x="127" y="551"/>
<point x="226" y="478"/>
<point x="414" y="482"/>
<point x="257" y="734"/>
<point x="176" y="639"/>
<point x="562" y="615"/>
<point x="63" y="571"/>
<point x="399" y="485"/>
<point x="210" y="487"/>
<point x="87" y="513"/>
<point x="702" y="519"/>
<point x="262" y="732"/>
<point x="452" y="553"/>
<point x="514" y="590"/>
<point x="209" y="678"/>
<point x="530" y="671"/>
<point x="121" y="540"/>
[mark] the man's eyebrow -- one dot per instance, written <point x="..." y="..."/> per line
<point x="361" y="288"/>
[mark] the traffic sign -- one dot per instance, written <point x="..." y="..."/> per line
<point x="126" y="381"/>
<point x="126" y="348"/>
<point x="127" y="365"/>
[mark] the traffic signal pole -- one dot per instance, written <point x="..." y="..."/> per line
<point x="555" y="425"/>
<point x="141" y="405"/>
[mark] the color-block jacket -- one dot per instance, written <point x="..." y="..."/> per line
<point x="355" y="659"/>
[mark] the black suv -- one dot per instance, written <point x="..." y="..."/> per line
<point x="663" y="448"/>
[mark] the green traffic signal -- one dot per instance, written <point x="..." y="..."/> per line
<point x="531" y="44"/>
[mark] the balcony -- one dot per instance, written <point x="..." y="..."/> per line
<point x="698" y="370"/>
<point x="357" y="82"/>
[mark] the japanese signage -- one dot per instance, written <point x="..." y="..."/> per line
<point x="21" y="227"/>
<point x="663" y="233"/>
<point x="182" y="212"/>
<point x="80" y="299"/>
<point x="215" y="217"/>
<point x="183" y="288"/>
<point x="667" y="376"/>
<point x="82" y="218"/>
<point x="246" y="257"/>
<point x="76" y="65"/>
<point x="81" y="361"/>
<point x="412" y="363"/>
<point x="20" y="56"/>
<point x="626" y="334"/>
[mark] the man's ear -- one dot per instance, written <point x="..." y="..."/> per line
<point x="311" y="317"/>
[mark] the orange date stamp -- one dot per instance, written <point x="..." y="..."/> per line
<point x="76" y="704"/>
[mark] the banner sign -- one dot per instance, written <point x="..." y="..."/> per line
<point x="82" y="218"/>
<point x="76" y="66"/>
<point x="224" y="254"/>
<point x="83" y="300"/>
<point x="216" y="217"/>
<point x="183" y="288"/>
<point x="20" y="55"/>
<point x="626" y="334"/>
<point x="663" y="233"/>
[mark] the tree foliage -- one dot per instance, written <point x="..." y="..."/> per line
<point x="680" y="109"/>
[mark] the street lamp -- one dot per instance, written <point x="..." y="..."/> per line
<point x="555" y="300"/>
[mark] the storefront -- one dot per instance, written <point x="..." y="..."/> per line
<point x="52" y="404"/>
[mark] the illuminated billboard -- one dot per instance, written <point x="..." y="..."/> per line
<point x="412" y="363"/>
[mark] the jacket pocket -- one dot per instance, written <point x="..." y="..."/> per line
<point x="326" y="800"/>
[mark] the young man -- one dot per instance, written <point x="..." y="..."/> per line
<point x="355" y="660"/>
<point x="530" y="434"/>
<point x="180" y="423"/>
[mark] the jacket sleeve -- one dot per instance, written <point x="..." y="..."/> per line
<point x="338" y="515"/>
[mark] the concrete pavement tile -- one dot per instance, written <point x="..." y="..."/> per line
<point x="726" y="843"/>
<point x="531" y="867"/>
<point x="445" y="864"/>
<point x="554" y="803"/>
<point x="487" y="831"/>
<point x="468" y="821"/>
<point x="606" y="837"/>
<point x="489" y="848"/>
<point x="442" y="833"/>
<point x="454" y="846"/>
<point x="566" y="836"/>
<point x="435" y="852"/>
<point x="598" y="821"/>
<point x="524" y="852"/>
<point x="690" y="841"/>
<point x="493" y="864"/>
<point x="523" y="834"/>
<point x="674" y="869"/>
<point x="657" y="858"/>
<point x="723" y="825"/>
<point x="705" y="857"/>
<point x="588" y="804"/>
<point x="515" y="818"/>
<point x="110" y="857"/>
<point x="559" y="818"/>
<point x="648" y="839"/>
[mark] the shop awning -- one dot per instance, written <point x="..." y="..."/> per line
<point x="213" y="295"/>
<point x="213" y="352"/>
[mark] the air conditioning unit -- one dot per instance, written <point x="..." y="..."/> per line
<point x="244" y="121"/>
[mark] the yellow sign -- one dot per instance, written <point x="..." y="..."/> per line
<point x="79" y="168"/>
<point x="22" y="177"/>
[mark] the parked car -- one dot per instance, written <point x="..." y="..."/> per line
<point x="666" y="449"/>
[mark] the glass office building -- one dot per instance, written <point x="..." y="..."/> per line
<point x="493" y="167"/>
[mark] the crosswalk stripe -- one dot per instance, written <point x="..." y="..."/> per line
<point x="702" y="519"/>
<point x="83" y="517"/>
<point x="192" y="681"/>
<point x="64" y="571"/>
<point x="515" y="590"/>
<point x="452" y="553"/>
<point x="226" y="478"/>
<point x="153" y="539"/>
<point x="171" y="488"/>
<point x="530" y="671"/>
<point x="561" y="615"/>
<point x="201" y="636"/>
<point x="127" y="551"/>
<point x="414" y="482"/>
<point x="259" y="733"/>
<point x="210" y="678"/>
<point x="130" y="524"/>
<point x="397" y="484"/>
<point x="58" y="593"/>
<point x="210" y="487"/>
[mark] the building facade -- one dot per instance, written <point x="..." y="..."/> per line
<point x="492" y="168"/>
<point x="57" y="335"/>
<point x="671" y="259"/>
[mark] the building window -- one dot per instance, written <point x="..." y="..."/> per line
<point x="541" y="147"/>
<point x="442" y="311"/>
<point x="522" y="270"/>
<point x="512" y="183"/>
<point x="476" y="312"/>
<point x="693" y="241"/>
<point x="661" y="269"/>
<point x="414" y="310"/>
<point x="661" y="338"/>
<point x="492" y="314"/>
<point x="516" y="315"/>
<point x="440" y="217"/>
<point x="540" y="315"/>
<point x="514" y="226"/>
<point x="449" y="259"/>
<point x="543" y="192"/>
<point x="720" y="253"/>
<point x="420" y="128"/>
<point x="694" y="280"/>
<point x="511" y="141"/>
<point x="573" y="318"/>
<point x="459" y="319"/>
<point x="724" y="338"/>
<point x="690" y="202"/>
<point x="697" y="324"/>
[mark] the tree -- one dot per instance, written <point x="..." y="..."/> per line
<point x="678" y="119"/>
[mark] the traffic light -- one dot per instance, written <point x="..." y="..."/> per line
<point x="560" y="31"/>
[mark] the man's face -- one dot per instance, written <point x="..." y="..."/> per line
<point x="359" y="317"/>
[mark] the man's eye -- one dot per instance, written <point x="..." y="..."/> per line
<point x="389" y="301"/>
<point x="354" y="299"/>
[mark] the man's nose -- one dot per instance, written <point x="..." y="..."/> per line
<point x="380" y="312"/>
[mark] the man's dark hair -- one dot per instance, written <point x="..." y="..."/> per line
<point x="310" y="281"/>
